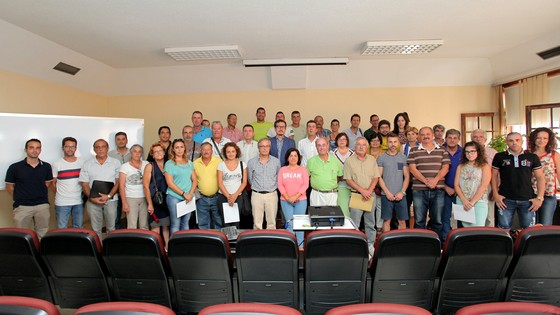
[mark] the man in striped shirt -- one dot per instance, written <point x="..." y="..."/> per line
<point x="428" y="163"/>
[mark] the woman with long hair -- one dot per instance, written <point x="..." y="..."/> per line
<point x="154" y="181"/>
<point x="471" y="182"/>
<point x="232" y="179"/>
<point x="341" y="153"/>
<point x="542" y="142"/>
<point x="181" y="184"/>
<point x="293" y="181"/>
<point x="400" y="125"/>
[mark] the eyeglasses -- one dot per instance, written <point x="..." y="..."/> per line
<point x="470" y="151"/>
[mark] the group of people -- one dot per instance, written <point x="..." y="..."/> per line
<point x="376" y="174"/>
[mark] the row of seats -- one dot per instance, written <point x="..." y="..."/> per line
<point x="30" y="306"/>
<point x="477" y="265"/>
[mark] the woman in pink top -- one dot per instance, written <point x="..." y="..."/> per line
<point x="293" y="181"/>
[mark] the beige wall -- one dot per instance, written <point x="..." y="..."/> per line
<point x="425" y="106"/>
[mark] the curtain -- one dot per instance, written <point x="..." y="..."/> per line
<point x="534" y="92"/>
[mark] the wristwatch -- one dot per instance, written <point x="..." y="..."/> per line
<point x="109" y="196"/>
<point x="540" y="198"/>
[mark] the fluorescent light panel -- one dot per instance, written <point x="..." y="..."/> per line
<point x="294" y="62"/>
<point x="204" y="53"/>
<point x="401" y="47"/>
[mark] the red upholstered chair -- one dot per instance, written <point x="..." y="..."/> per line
<point x="201" y="268"/>
<point x="508" y="308"/>
<point x="22" y="270"/>
<point x="473" y="267"/>
<point x="534" y="274"/>
<point x="249" y="309"/>
<point x="19" y="305"/>
<point x="75" y="262"/>
<point x="378" y="308"/>
<point x="336" y="264"/>
<point x="124" y="308"/>
<point x="404" y="267"/>
<point x="137" y="266"/>
<point x="267" y="267"/>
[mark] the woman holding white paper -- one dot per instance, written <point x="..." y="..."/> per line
<point x="471" y="182"/>
<point x="181" y="183"/>
<point x="232" y="179"/>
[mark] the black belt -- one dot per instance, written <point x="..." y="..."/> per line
<point x="263" y="192"/>
<point x="326" y="191"/>
<point x="214" y="195"/>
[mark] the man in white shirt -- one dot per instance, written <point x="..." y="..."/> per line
<point x="249" y="147"/>
<point x="217" y="140"/>
<point x="68" y="190"/>
<point x="306" y="146"/>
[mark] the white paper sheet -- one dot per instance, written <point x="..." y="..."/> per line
<point x="183" y="207"/>
<point x="460" y="214"/>
<point x="231" y="214"/>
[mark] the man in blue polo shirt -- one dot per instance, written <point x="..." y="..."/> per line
<point x="28" y="182"/>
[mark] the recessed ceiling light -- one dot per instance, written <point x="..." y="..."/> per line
<point x="399" y="47"/>
<point x="204" y="53"/>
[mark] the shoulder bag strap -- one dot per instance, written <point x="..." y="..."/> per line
<point x="216" y="146"/>
<point x="154" y="165"/>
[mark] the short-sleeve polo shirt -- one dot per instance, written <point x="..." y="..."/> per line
<point x="29" y="183"/>
<point x="324" y="174"/>
<point x="515" y="174"/>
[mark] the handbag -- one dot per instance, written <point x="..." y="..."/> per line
<point x="244" y="201"/>
<point x="157" y="198"/>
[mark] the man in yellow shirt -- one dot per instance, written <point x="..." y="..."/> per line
<point x="206" y="167"/>
<point x="261" y="126"/>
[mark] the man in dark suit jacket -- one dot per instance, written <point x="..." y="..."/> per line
<point x="280" y="144"/>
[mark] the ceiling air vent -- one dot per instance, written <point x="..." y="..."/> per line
<point x="66" y="68"/>
<point x="547" y="54"/>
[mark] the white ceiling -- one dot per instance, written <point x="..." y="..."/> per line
<point x="134" y="33"/>
<point x="119" y="44"/>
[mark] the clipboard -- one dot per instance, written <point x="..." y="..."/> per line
<point x="100" y="187"/>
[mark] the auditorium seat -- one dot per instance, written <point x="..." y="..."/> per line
<point x="378" y="309"/>
<point x="473" y="267"/>
<point x="75" y="262"/>
<point x="20" y="305"/>
<point x="137" y="266"/>
<point x="404" y="267"/>
<point x="201" y="267"/>
<point x="509" y="308"/>
<point x="22" y="271"/>
<point x="336" y="264"/>
<point x="248" y="309"/>
<point x="124" y="308"/>
<point x="534" y="275"/>
<point x="267" y="267"/>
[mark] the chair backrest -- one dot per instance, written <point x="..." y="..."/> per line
<point x="508" y="308"/>
<point x="77" y="270"/>
<point x="404" y="267"/>
<point x="534" y="274"/>
<point x="378" y="309"/>
<point x="248" y="309"/>
<point x="201" y="267"/>
<point x="137" y="266"/>
<point x="124" y="308"/>
<point x="22" y="271"/>
<point x="267" y="267"/>
<point x="336" y="264"/>
<point x="473" y="267"/>
<point x="19" y="305"/>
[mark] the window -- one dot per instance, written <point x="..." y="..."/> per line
<point x="473" y="121"/>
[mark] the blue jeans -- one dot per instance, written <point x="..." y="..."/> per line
<point x="289" y="210"/>
<point x="546" y="211"/>
<point x="432" y="201"/>
<point x="63" y="214"/>
<point x="505" y="216"/>
<point x="207" y="211"/>
<point x="176" y="224"/>
<point x="446" y="215"/>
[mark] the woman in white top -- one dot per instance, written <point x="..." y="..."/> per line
<point x="341" y="153"/>
<point x="132" y="191"/>
<point x="232" y="179"/>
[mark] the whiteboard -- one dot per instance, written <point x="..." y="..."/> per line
<point x="16" y="129"/>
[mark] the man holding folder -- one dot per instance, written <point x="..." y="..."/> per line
<point x="361" y="174"/>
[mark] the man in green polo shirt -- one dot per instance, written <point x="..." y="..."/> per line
<point x="324" y="172"/>
<point x="261" y="126"/>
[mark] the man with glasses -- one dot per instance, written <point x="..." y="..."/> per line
<point x="102" y="168"/>
<point x="280" y="144"/>
<point x="67" y="188"/>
